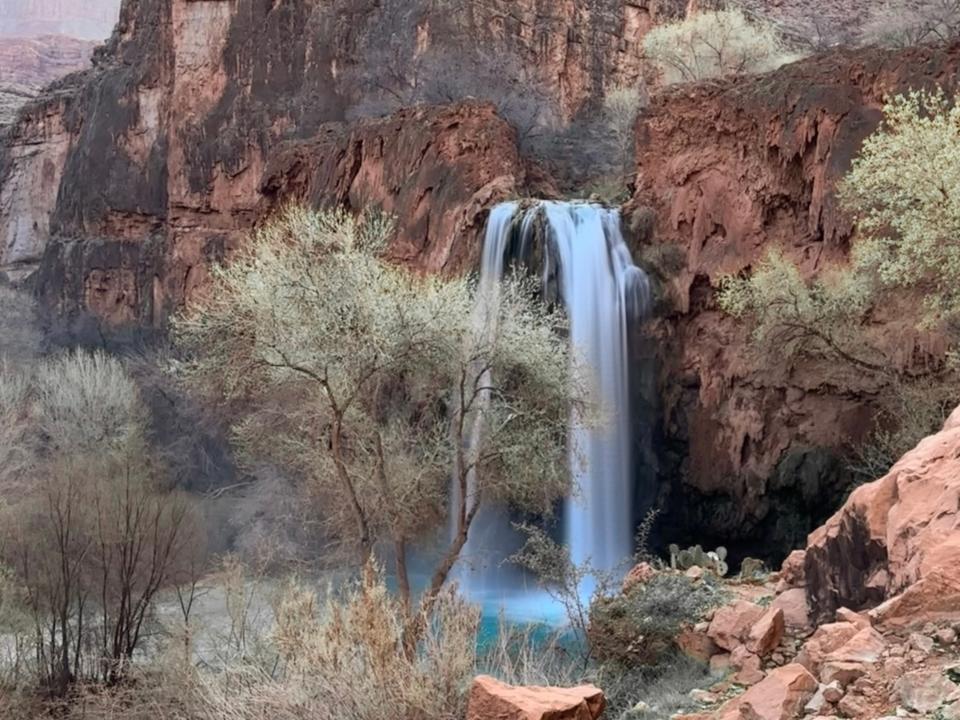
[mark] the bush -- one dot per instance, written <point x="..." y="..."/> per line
<point x="902" y="23"/>
<point x="716" y="44"/>
<point x="639" y="627"/>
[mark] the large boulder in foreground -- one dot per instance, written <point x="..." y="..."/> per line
<point x="896" y="541"/>
<point x="491" y="699"/>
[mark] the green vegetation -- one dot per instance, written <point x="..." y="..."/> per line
<point x="343" y="366"/>
<point x="904" y="192"/>
<point x="639" y="627"/>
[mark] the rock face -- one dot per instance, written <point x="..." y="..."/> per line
<point x="215" y="112"/>
<point x="725" y="173"/>
<point x="896" y="541"/>
<point x="29" y="64"/>
<point x="491" y="699"/>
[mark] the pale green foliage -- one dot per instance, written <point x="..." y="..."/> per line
<point x="904" y="190"/>
<point x="374" y="383"/>
<point x="796" y="318"/>
<point x="713" y="44"/>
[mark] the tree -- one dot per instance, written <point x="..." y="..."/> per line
<point x="902" y="23"/>
<point x="904" y="191"/>
<point x="713" y="44"/>
<point x="376" y="385"/>
<point x="89" y="531"/>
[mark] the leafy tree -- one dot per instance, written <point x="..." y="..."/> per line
<point x="715" y="43"/>
<point x="375" y="384"/>
<point x="904" y="191"/>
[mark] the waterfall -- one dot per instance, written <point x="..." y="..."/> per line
<point x="585" y="264"/>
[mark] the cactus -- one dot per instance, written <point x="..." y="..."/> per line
<point x="695" y="556"/>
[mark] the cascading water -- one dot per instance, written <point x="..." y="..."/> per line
<point x="586" y="262"/>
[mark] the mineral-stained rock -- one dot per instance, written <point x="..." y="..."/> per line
<point x="493" y="700"/>
<point x="905" y="526"/>
<point x="780" y="696"/>
<point x="731" y="171"/>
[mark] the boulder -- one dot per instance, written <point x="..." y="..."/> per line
<point x="866" y="646"/>
<point x="781" y="695"/>
<point x="731" y="624"/>
<point x="792" y="573"/>
<point x="696" y="645"/>
<point x="793" y="603"/>
<point x="924" y="691"/>
<point x="765" y="636"/>
<point x="824" y="641"/>
<point x="842" y="673"/>
<point x="855" y="618"/>
<point x="893" y="535"/>
<point x="491" y="699"/>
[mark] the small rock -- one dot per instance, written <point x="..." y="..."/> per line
<point x="832" y="693"/>
<point x="704" y="697"/>
<point x="842" y="673"/>
<point x="778" y="659"/>
<point x="747" y="666"/>
<point x="701" y="627"/>
<point x="641" y="708"/>
<point x="922" y="643"/>
<point x="767" y="633"/>
<point x="925" y="690"/>
<point x="816" y="703"/>
<point x="946" y="636"/>
<point x="694" y="573"/>
<point x="902" y="712"/>
<point x="640" y="574"/>
<point x="720" y="664"/>
<point x="853" y="706"/>
<point x="793" y="571"/>
<point x="731" y="624"/>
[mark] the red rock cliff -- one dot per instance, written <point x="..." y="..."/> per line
<point x="730" y="171"/>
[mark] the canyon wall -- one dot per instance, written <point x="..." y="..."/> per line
<point x="121" y="186"/>
<point x="201" y="114"/>
<point x="83" y="19"/>
<point x="731" y="170"/>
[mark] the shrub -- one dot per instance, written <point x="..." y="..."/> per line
<point x="639" y="627"/>
<point x="715" y="44"/>
<point x="902" y="23"/>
